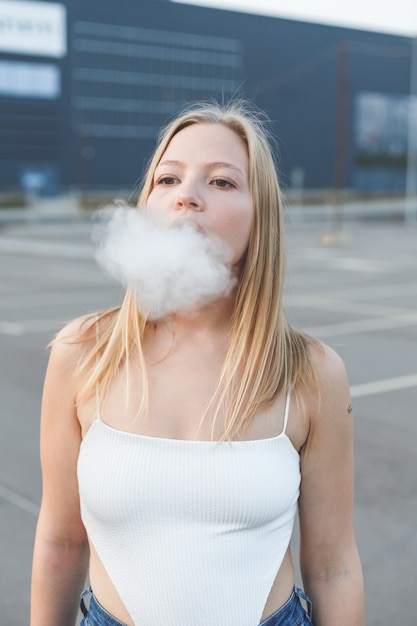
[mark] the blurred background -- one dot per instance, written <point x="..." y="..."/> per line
<point x="85" y="86"/>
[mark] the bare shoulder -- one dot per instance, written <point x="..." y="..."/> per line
<point x="71" y="346"/>
<point x="73" y="342"/>
<point x="328" y="364"/>
<point x="76" y="330"/>
<point x="333" y="394"/>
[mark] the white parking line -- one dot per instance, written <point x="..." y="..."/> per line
<point x="10" y="328"/>
<point x="335" y="304"/>
<point x="22" y="503"/>
<point x="363" y="326"/>
<point x="371" y="291"/>
<point x="15" y="329"/>
<point x="348" y="264"/>
<point x="60" y="297"/>
<point x="382" y="386"/>
<point x="47" y="248"/>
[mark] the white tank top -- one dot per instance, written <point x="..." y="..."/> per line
<point x="190" y="532"/>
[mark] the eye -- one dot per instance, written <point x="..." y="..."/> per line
<point x="167" y="180"/>
<point x="222" y="183"/>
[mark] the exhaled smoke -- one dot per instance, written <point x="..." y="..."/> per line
<point x="170" y="268"/>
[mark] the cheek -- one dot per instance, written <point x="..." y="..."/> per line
<point x="152" y="201"/>
<point x="245" y="220"/>
<point x="158" y="194"/>
<point x="155" y="208"/>
<point x="239" y="228"/>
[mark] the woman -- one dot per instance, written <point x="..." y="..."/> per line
<point x="196" y="436"/>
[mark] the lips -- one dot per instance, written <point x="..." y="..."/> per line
<point x="188" y="223"/>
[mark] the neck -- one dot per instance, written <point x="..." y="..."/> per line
<point x="212" y="318"/>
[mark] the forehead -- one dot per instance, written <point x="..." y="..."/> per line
<point x="208" y="143"/>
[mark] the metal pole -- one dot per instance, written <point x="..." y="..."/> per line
<point x="342" y="117"/>
<point x="341" y="134"/>
<point x="342" y="111"/>
<point x="411" y="177"/>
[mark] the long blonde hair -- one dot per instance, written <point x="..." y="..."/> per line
<point x="266" y="356"/>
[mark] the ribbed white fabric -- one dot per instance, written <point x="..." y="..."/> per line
<point x="190" y="532"/>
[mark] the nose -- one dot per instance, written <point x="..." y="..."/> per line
<point x="188" y="198"/>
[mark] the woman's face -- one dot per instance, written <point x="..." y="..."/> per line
<point x="203" y="178"/>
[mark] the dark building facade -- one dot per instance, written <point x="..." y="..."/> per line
<point x="86" y="84"/>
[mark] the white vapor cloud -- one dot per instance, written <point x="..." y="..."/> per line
<point x="170" y="268"/>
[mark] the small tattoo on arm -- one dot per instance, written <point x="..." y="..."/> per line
<point x="350" y="409"/>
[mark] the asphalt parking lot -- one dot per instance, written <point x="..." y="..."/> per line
<point x="354" y="287"/>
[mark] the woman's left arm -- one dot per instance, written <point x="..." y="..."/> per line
<point x="329" y="559"/>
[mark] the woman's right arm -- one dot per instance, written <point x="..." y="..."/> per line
<point x="61" y="551"/>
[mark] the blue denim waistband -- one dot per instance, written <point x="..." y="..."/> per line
<point x="96" y="615"/>
<point x="292" y="612"/>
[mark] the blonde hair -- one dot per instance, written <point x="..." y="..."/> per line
<point x="266" y="356"/>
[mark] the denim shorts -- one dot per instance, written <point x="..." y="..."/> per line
<point x="96" y="615"/>
<point x="291" y="613"/>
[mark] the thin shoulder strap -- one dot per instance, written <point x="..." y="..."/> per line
<point x="287" y="411"/>
<point x="97" y="387"/>
<point x="97" y="403"/>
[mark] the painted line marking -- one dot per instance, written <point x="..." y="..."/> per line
<point x="349" y="264"/>
<point x="16" y="329"/>
<point x="371" y="291"/>
<point x="363" y="326"/>
<point x="334" y="304"/>
<point x="20" y="502"/>
<point x="47" y="248"/>
<point x="61" y="297"/>
<point x="383" y="386"/>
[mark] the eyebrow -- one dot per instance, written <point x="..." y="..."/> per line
<point x="211" y="165"/>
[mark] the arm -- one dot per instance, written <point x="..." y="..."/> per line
<point x="61" y="551"/>
<point x="329" y="559"/>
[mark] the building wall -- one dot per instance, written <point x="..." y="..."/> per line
<point x="32" y="112"/>
<point x="96" y="105"/>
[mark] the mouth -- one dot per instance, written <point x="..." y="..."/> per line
<point x="188" y="223"/>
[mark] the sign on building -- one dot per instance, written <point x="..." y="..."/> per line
<point x="33" y="28"/>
